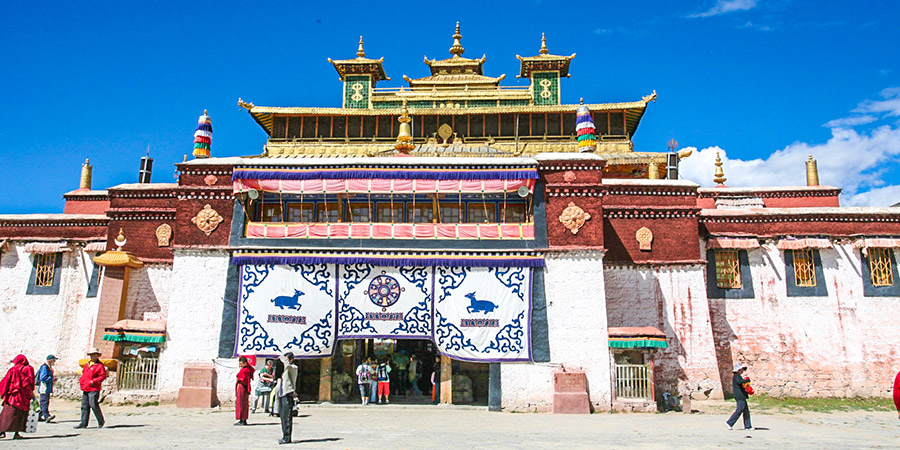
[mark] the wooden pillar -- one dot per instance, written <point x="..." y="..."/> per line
<point x="111" y="309"/>
<point x="446" y="380"/>
<point x="325" y="379"/>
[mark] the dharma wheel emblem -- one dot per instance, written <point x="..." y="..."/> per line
<point x="207" y="220"/>
<point x="573" y="217"/>
<point x="384" y="290"/>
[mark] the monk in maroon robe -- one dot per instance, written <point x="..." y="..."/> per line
<point x="242" y="391"/>
<point x="897" y="393"/>
<point x="16" y="390"/>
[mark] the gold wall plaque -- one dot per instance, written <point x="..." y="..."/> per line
<point x="207" y="220"/>
<point x="644" y="237"/>
<point x="163" y="235"/>
<point x="573" y="217"/>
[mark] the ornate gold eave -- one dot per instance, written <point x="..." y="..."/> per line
<point x="544" y="62"/>
<point x="360" y="66"/>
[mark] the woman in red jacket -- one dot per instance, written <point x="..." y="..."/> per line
<point x="17" y="390"/>
<point x="92" y="375"/>
<point x="242" y="391"/>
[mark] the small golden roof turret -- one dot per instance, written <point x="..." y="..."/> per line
<point x="457" y="48"/>
<point x="544" y="61"/>
<point x="360" y="65"/>
<point x="404" y="143"/>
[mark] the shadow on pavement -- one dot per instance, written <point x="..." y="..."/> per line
<point x="125" y="426"/>
<point x="52" y="436"/>
<point x="311" y="441"/>
<point x="262" y="424"/>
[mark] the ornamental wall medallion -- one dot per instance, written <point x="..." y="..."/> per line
<point x="569" y="176"/>
<point x="207" y="220"/>
<point x="211" y="180"/>
<point x="573" y="218"/>
<point x="163" y="235"/>
<point x="644" y="237"/>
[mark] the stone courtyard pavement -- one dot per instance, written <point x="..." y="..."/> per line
<point x="424" y="427"/>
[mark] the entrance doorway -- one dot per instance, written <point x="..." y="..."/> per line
<point x="400" y="354"/>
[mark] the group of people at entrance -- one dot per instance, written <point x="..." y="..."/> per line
<point x="22" y="409"/>
<point x="278" y="381"/>
<point x="374" y="378"/>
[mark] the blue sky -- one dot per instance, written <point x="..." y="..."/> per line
<point x="763" y="82"/>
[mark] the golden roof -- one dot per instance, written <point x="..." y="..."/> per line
<point x="615" y="151"/>
<point x="360" y="65"/>
<point x="456" y="71"/>
<point x="544" y="61"/>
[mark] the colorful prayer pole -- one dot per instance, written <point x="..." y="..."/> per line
<point x="203" y="136"/>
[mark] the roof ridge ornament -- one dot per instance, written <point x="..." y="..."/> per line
<point x="544" y="49"/>
<point x="457" y="48"/>
<point x="360" y="52"/>
<point x="720" y="173"/>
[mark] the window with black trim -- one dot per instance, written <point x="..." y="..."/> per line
<point x="45" y="274"/>
<point x="728" y="274"/>
<point x="804" y="276"/>
<point x="879" y="273"/>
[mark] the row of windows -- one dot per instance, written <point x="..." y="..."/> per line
<point x="393" y="212"/>
<point x="804" y="268"/>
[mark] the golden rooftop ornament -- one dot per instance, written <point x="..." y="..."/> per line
<point x="404" y="143"/>
<point x="812" y="172"/>
<point x="457" y="48"/>
<point x="86" y="170"/>
<point x="361" y="52"/>
<point x="544" y="49"/>
<point x="720" y="174"/>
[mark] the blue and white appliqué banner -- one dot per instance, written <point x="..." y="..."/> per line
<point x="388" y="302"/>
<point x="483" y="313"/>
<point x="285" y="308"/>
<point x="471" y="313"/>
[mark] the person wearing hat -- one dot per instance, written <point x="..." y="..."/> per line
<point x="740" y="396"/>
<point x="45" y="379"/>
<point x="92" y="376"/>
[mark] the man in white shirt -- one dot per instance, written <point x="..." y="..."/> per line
<point x="286" y="397"/>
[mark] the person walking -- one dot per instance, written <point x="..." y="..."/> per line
<point x="373" y="383"/>
<point x="363" y="380"/>
<point x="264" y="386"/>
<point x="44" y="381"/>
<point x="16" y="390"/>
<point x="242" y="391"/>
<point x="275" y="396"/>
<point x="740" y="396"/>
<point x="401" y="363"/>
<point x="383" y="373"/>
<point x="286" y="397"/>
<point x="92" y="376"/>
<point x="436" y="381"/>
<point x="414" y="374"/>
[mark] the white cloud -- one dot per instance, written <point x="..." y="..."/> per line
<point x="890" y="106"/>
<point x="847" y="122"/>
<point x="853" y="161"/>
<point x="726" y="6"/>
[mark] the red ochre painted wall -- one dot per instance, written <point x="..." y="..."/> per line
<point x="86" y="207"/>
<point x="674" y="240"/>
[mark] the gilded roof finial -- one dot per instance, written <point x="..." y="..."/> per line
<point x="581" y="101"/>
<point x="457" y="48"/>
<point x="812" y="172"/>
<point x="720" y="174"/>
<point x="361" y="52"/>
<point x="120" y="240"/>
<point x="404" y="137"/>
<point x="86" y="171"/>
<point x="544" y="50"/>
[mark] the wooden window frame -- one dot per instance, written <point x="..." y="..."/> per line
<point x="881" y="270"/>
<point x="804" y="267"/>
<point x="728" y="269"/>
<point x="53" y="289"/>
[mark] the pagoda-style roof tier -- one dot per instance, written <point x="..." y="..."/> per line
<point x="468" y="95"/>
<point x="360" y="65"/>
<point x="627" y="116"/>
<point x="460" y="82"/>
<point x="544" y="61"/>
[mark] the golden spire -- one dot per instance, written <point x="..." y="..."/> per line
<point x="812" y="172"/>
<point x="544" y="50"/>
<point x="404" y="143"/>
<point x="720" y="174"/>
<point x="457" y="49"/>
<point x="86" y="170"/>
<point x="361" y="52"/>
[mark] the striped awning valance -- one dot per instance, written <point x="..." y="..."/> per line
<point x="636" y="337"/>
<point x="742" y="243"/>
<point x="146" y="331"/>
<point x="876" y="242"/>
<point x="46" y="247"/>
<point x="95" y="247"/>
<point x="801" y="243"/>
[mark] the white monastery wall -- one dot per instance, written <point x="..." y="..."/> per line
<point x="672" y="299"/>
<point x="842" y="345"/>
<point x="576" y="316"/>
<point x="38" y="325"/>
<point x="198" y="280"/>
<point x="148" y="292"/>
